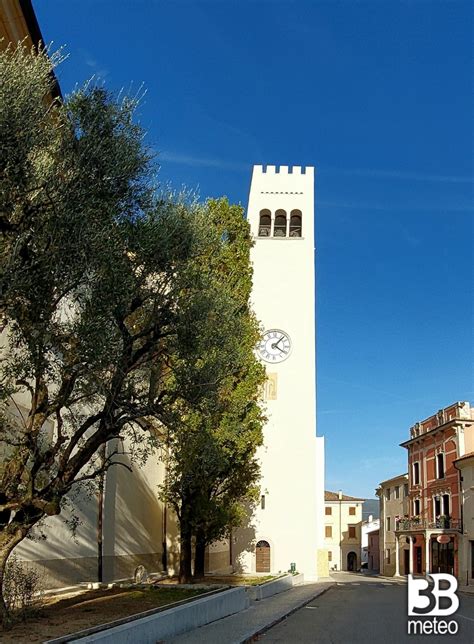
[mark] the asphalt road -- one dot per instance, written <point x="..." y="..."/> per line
<point x="364" y="609"/>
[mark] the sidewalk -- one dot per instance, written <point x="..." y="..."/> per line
<point x="241" y="627"/>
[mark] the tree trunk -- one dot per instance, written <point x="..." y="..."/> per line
<point x="185" y="555"/>
<point x="100" y="518"/>
<point x="7" y="544"/>
<point x="200" y="555"/>
<point x="4" y="616"/>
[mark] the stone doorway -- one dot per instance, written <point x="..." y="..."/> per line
<point x="352" y="561"/>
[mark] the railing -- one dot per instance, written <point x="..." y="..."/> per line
<point x="443" y="523"/>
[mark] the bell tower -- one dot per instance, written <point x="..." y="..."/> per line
<point x="287" y="526"/>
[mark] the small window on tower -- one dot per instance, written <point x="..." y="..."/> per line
<point x="279" y="229"/>
<point x="265" y="224"/>
<point x="295" y="223"/>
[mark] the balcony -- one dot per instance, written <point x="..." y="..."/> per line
<point x="416" y="525"/>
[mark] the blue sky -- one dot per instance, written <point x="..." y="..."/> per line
<point x="378" y="95"/>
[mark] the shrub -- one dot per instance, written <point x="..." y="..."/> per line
<point x="22" y="588"/>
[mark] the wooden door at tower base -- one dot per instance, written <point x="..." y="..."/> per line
<point x="262" y="563"/>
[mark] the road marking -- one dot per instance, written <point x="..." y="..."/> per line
<point x="312" y="607"/>
<point x="355" y="583"/>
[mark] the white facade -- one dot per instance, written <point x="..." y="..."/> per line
<point x="290" y="515"/>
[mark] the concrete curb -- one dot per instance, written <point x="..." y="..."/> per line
<point x="250" y="638"/>
<point x="157" y="624"/>
<point x="270" y="588"/>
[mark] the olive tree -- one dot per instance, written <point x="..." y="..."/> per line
<point x="93" y="276"/>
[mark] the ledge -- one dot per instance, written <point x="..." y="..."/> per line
<point x="159" y="624"/>
<point x="274" y="587"/>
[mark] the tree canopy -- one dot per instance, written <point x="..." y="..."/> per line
<point x="212" y="471"/>
<point x="122" y="308"/>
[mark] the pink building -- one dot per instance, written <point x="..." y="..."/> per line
<point x="374" y="560"/>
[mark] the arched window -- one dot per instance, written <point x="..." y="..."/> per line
<point x="265" y="223"/>
<point x="279" y="229"/>
<point x="295" y="223"/>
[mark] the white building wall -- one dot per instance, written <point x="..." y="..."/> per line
<point x="284" y="298"/>
<point x="367" y="526"/>
<point x="133" y="530"/>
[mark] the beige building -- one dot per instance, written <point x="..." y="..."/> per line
<point x="393" y="496"/>
<point x="342" y="530"/>
<point x="465" y="465"/>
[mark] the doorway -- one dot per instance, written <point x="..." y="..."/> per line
<point x="472" y="559"/>
<point x="262" y="563"/>
<point x="406" y="562"/>
<point x="418" y="560"/>
<point x="352" y="561"/>
<point x="442" y="557"/>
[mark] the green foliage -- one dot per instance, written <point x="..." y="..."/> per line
<point x="123" y="309"/>
<point x="212" y="471"/>
<point x="100" y="277"/>
<point x="23" y="588"/>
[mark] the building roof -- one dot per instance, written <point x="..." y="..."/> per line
<point x="466" y="457"/>
<point x="18" y="22"/>
<point x="394" y="478"/>
<point x="419" y="431"/>
<point x="334" y="496"/>
<point x="374" y="531"/>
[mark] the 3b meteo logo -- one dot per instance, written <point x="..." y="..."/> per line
<point x="432" y="596"/>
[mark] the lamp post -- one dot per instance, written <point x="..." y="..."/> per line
<point x="340" y="529"/>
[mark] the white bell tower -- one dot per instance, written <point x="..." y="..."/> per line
<point x="287" y="526"/>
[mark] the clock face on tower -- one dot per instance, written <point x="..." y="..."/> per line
<point x="275" y="346"/>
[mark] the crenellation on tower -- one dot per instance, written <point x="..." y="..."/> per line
<point x="295" y="170"/>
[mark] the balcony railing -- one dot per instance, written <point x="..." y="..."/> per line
<point x="443" y="523"/>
